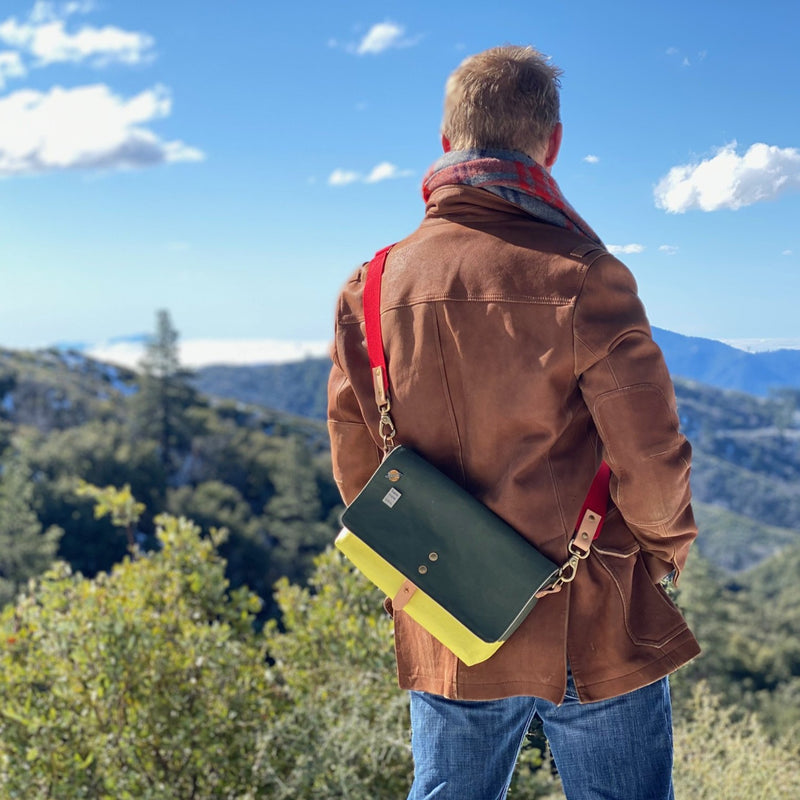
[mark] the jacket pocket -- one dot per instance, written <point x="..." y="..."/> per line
<point x="650" y="617"/>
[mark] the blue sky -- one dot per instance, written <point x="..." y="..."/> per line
<point x="233" y="160"/>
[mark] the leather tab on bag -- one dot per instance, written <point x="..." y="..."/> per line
<point x="404" y="594"/>
<point x="378" y="385"/>
<point x="587" y="530"/>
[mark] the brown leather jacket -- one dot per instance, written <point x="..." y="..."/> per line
<point x="519" y="355"/>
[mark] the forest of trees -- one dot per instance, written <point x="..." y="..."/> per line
<point x="264" y="476"/>
<point x="176" y="626"/>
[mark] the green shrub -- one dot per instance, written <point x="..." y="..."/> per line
<point x="143" y="683"/>
<point x="720" y="757"/>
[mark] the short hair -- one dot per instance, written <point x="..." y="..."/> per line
<point x="504" y="98"/>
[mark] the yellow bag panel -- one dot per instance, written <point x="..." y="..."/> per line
<point x="442" y="625"/>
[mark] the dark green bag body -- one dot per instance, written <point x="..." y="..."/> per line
<point x="450" y="545"/>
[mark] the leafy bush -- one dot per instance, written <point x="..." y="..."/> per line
<point x="719" y="756"/>
<point x="143" y="683"/>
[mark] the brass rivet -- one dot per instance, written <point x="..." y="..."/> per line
<point x="584" y="535"/>
<point x="393" y="475"/>
<point x="422" y="569"/>
<point x="433" y="556"/>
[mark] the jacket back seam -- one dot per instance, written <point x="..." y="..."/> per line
<point x="448" y="394"/>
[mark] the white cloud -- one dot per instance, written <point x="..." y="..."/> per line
<point x="381" y="37"/>
<point x="87" y="127"/>
<point x="763" y="345"/>
<point x="341" y="177"/>
<point x="786" y="253"/>
<point x="590" y="159"/>
<point x="380" y="172"/>
<point x="44" y="36"/>
<point x="669" y="249"/>
<point x="195" y="353"/>
<point x="386" y="171"/>
<point x="47" y="11"/>
<point x="625" y="249"/>
<point x="11" y="66"/>
<point x="378" y="39"/>
<point x="728" y="180"/>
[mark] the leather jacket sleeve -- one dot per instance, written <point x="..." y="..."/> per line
<point x="354" y="453"/>
<point x="629" y="393"/>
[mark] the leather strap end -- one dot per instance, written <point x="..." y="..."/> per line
<point x="587" y="530"/>
<point x="404" y="594"/>
<point x="379" y="385"/>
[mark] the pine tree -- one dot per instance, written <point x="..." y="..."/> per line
<point x="25" y="551"/>
<point x="165" y="395"/>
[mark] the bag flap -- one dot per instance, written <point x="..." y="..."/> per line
<point x="449" y="544"/>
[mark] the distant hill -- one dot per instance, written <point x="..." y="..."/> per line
<point x="726" y="367"/>
<point x="299" y="387"/>
<point x="53" y="389"/>
<point x="735" y="542"/>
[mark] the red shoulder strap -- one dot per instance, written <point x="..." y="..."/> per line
<point x="372" y="325"/>
<point x="596" y="501"/>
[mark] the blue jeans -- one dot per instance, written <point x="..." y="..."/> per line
<point x="618" y="749"/>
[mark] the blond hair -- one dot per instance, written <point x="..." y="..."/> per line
<point x="505" y="98"/>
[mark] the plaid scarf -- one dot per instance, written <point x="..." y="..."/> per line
<point x="513" y="176"/>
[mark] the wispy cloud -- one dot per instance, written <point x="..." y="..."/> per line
<point x="728" y="180"/>
<point x="686" y="61"/>
<point x="386" y="171"/>
<point x="381" y="37"/>
<point x="341" y="177"/>
<point x="84" y="128"/>
<point x="625" y="249"/>
<point x="668" y="249"/>
<point x="44" y="36"/>
<point x="786" y="253"/>
<point x="378" y="39"/>
<point x="380" y="172"/>
<point x="11" y="66"/>
<point x="591" y="159"/>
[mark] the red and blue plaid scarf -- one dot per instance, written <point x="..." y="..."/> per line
<point x="511" y="175"/>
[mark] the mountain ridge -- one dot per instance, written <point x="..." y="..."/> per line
<point x="718" y="364"/>
<point x="709" y="361"/>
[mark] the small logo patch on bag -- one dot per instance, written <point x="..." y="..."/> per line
<point x="391" y="497"/>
